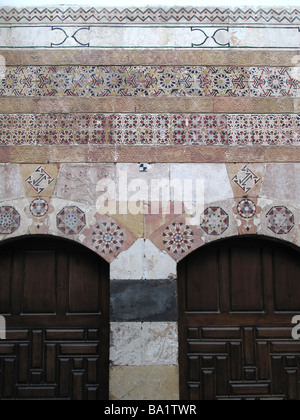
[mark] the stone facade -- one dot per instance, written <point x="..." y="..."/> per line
<point x="176" y="95"/>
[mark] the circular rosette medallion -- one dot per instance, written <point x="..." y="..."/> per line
<point x="178" y="238"/>
<point x="246" y="209"/>
<point x="39" y="207"/>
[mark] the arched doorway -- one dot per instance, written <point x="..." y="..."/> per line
<point x="54" y="295"/>
<point x="237" y="298"/>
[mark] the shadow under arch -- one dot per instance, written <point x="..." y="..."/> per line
<point x="279" y="240"/>
<point x="237" y="297"/>
<point x="54" y="294"/>
<point x="50" y="238"/>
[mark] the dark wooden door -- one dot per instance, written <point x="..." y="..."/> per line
<point x="236" y="302"/>
<point x="55" y="297"/>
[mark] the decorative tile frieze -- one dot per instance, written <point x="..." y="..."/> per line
<point x="151" y="129"/>
<point x="149" y="81"/>
<point x="89" y="15"/>
<point x="275" y="82"/>
<point x="199" y="129"/>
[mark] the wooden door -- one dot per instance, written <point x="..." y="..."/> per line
<point x="236" y="302"/>
<point x="54" y="295"/>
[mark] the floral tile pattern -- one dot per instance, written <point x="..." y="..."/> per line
<point x="153" y="81"/>
<point x="9" y="220"/>
<point x="272" y="82"/>
<point x="200" y="129"/>
<point x="39" y="207"/>
<point x="227" y="81"/>
<point x="108" y="238"/>
<point x="178" y="238"/>
<point x="71" y="220"/>
<point x="147" y="129"/>
<point x="247" y="215"/>
<point x="280" y="220"/>
<point x="246" y="208"/>
<point x="214" y="221"/>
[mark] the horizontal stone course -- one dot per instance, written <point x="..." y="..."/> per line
<point x="156" y="105"/>
<point x="146" y="57"/>
<point x="149" y="154"/>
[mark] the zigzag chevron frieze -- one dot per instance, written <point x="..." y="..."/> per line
<point x="149" y="15"/>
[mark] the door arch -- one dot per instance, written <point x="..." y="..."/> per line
<point x="237" y="298"/>
<point x="54" y="294"/>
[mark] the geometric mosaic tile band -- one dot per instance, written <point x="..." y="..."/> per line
<point x="150" y="81"/>
<point x="149" y="129"/>
<point x="176" y="238"/>
<point x="75" y="14"/>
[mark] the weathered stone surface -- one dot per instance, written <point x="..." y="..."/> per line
<point x="11" y="185"/>
<point x="79" y="182"/>
<point x="144" y="300"/>
<point x="160" y="343"/>
<point x="281" y="181"/>
<point x="144" y="343"/>
<point x="125" y="344"/>
<point x="143" y="261"/>
<point x="144" y="383"/>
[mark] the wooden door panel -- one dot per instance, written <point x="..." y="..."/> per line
<point x="245" y="350"/>
<point x="241" y="366"/>
<point x="246" y="286"/>
<point x="58" y="334"/>
<point x="39" y="282"/>
<point x="83" y="286"/>
<point x="36" y="365"/>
